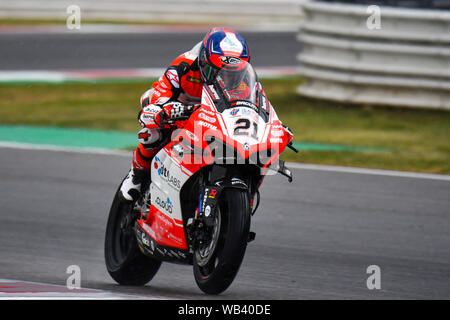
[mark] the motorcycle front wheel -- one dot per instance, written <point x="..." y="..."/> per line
<point x="126" y="264"/>
<point x="214" y="271"/>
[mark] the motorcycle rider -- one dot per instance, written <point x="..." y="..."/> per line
<point x="175" y="96"/>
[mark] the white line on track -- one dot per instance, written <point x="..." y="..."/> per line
<point x="27" y="290"/>
<point x="378" y="172"/>
<point x="29" y="146"/>
<point x="293" y="165"/>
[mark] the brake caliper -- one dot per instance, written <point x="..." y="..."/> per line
<point x="201" y="226"/>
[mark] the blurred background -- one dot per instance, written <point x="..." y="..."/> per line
<point x="362" y="83"/>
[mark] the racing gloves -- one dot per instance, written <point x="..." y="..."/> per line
<point x="174" y="111"/>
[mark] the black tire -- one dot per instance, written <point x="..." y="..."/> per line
<point x="220" y="271"/>
<point x="126" y="264"/>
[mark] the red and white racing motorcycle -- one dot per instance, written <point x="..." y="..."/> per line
<point x="204" y="188"/>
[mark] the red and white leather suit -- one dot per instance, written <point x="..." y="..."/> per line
<point x="180" y="83"/>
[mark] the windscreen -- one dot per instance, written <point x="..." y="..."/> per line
<point x="239" y="88"/>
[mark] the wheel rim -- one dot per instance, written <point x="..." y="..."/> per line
<point x="122" y="235"/>
<point x="206" y="256"/>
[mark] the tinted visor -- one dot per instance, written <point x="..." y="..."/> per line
<point x="209" y="72"/>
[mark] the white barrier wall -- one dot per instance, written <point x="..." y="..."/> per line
<point x="220" y="11"/>
<point x="406" y="62"/>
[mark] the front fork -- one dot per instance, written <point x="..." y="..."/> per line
<point x="200" y="226"/>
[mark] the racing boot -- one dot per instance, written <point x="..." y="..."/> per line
<point x="139" y="176"/>
<point x="131" y="186"/>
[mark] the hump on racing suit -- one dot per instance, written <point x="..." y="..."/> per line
<point x="181" y="81"/>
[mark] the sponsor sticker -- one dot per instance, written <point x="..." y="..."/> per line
<point x="246" y="104"/>
<point x="194" y="80"/>
<point x="144" y="239"/>
<point x="166" y="205"/>
<point x="151" y="109"/>
<point x="276" y="140"/>
<point x="165" y="174"/>
<point x="206" y="118"/>
<point x="234" y="112"/>
<point x="191" y="135"/>
<point x="277" y="133"/>
<point x="172" y="76"/>
<point x="230" y="60"/>
<point x="207" y="125"/>
<point x="212" y="194"/>
<point x="213" y="92"/>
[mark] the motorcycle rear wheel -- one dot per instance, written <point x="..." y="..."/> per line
<point x="125" y="263"/>
<point x="217" y="275"/>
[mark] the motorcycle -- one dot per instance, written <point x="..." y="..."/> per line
<point x="197" y="206"/>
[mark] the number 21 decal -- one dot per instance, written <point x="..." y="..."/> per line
<point x="243" y="126"/>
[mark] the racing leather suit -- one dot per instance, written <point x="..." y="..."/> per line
<point x="173" y="94"/>
<point x="182" y="83"/>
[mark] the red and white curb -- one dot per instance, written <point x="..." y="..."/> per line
<point x="97" y="75"/>
<point x="25" y="290"/>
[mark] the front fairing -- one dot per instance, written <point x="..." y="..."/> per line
<point x="248" y="125"/>
<point x="235" y="124"/>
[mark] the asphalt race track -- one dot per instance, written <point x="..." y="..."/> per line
<point x="315" y="237"/>
<point x="56" y="51"/>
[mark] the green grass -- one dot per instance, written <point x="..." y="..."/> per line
<point x="98" y="106"/>
<point x="415" y="140"/>
<point x="29" y="22"/>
